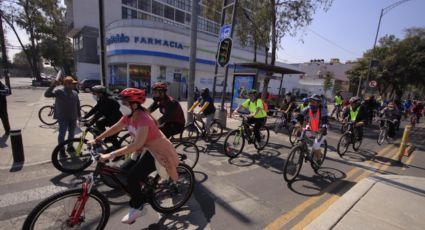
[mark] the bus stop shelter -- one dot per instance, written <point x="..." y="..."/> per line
<point x="248" y="76"/>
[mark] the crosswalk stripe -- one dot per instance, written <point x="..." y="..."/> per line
<point x="15" y="198"/>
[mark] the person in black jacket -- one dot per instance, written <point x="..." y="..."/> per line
<point x="106" y="112"/>
<point x="4" y="91"/>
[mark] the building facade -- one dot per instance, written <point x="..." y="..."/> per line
<point x="147" y="41"/>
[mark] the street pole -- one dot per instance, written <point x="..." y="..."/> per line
<point x="4" y="54"/>
<point x="223" y="95"/>
<point x="383" y="12"/>
<point x="102" y="44"/>
<point x="192" y="61"/>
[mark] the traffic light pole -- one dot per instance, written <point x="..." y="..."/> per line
<point x="223" y="95"/>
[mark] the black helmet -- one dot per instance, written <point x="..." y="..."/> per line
<point x="315" y="97"/>
<point x="98" y="89"/>
<point x="354" y="99"/>
<point x="252" y="91"/>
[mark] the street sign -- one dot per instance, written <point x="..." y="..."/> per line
<point x="225" y="32"/>
<point x="373" y="84"/>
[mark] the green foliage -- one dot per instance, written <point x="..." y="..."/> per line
<point x="401" y="63"/>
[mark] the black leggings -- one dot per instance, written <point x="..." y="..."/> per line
<point x="258" y="123"/>
<point x="140" y="170"/>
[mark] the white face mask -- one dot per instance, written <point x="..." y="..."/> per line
<point x="125" y="110"/>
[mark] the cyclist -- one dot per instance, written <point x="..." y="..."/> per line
<point x="356" y="113"/>
<point x="206" y="102"/>
<point x="338" y="104"/>
<point x="417" y="110"/>
<point x="390" y="112"/>
<point x="172" y="121"/>
<point x="318" y="121"/>
<point x="258" y="115"/>
<point x="292" y="106"/>
<point x="146" y="134"/>
<point x="106" y="112"/>
<point x="298" y="117"/>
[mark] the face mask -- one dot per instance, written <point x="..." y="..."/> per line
<point x="313" y="107"/>
<point x="95" y="97"/>
<point x="125" y="110"/>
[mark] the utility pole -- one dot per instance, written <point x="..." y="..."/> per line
<point x="192" y="61"/>
<point x="102" y="44"/>
<point x="383" y="12"/>
<point x="4" y="54"/>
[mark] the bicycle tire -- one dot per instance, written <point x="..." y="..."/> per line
<point x="293" y="135"/>
<point x="190" y="133"/>
<point x="279" y="124"/>
<point x="343" y="144"/>
<point x="84" y="109"/>
<point x="35" y="214"/>
<point x="188" y="153"/>
<point x="324" y="150"/>
<point x="381" y="136"/>
<point x="239" y="137"/>
<point x="355" y="141"/>
<point x="186" y="182"/>
<point x="289" y="172"/>
<point x="216" y="131"/>
<point x="50" y="110"/>
<point x="65" y="164"/>
<point x="265" y="135"/>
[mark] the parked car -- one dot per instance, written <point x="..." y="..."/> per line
<point x="86" y="84"/>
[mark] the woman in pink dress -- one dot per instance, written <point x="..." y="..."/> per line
<point x="146" y="134"/>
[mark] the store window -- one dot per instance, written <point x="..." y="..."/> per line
<point x="140" y="77"/>
<point x="169" y="12"/>
<point x="179" y="16"/>
<point x="118" y="76"/>
<point x="132" y="3"/>
<point x="162" y="73"/>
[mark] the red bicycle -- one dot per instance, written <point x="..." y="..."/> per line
<point x="87" y="208"/>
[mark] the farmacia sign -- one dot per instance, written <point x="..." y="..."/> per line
<point x="122" y="38"/>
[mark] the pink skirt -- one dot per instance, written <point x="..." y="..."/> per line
<point x="164" y="152"/>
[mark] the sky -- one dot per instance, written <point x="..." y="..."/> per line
<point x="345" y="31"/>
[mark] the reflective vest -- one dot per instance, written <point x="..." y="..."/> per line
<point x="353" y="114"/>
<point x="314" y="120"/>
<point x="338" y="100"/>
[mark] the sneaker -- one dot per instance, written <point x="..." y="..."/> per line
<point x="132" y="215"/>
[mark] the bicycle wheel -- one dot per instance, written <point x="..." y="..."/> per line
<point x="188" y="153"/>
<point x="85" y="109"/>
<point x="381" y="136"/>
<point x="344" y="127"/>
<point x="190" y="133"/>
<point x="343" y="144"/>
<point x="279" y="124"/>
<point x="293" y="135"/>
<point x="46" y="113"/>
<point x="293" y="164"/>
<point x="216" y="130"/>
<point x="55" y="211"/>
<point x="234" y="143"/>
<point x="356" y="143"/>
<point x="167" y="199"/>
<point x="264" y="138"/>
<point x="71" y="156"/>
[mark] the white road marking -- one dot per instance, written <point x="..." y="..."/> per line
<point x="15" y="198"/>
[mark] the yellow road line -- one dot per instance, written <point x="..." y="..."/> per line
<point x="287" y="217"/>
<point x="325" y="205"/>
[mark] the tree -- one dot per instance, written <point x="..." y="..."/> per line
<point x="35" y="17"/>
<point x="401" y="64"/>
<point x="327" y="83"/>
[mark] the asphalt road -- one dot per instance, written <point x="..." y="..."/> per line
<point x="247" y="192"/>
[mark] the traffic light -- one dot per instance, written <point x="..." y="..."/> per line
<point x="224" y="49"/>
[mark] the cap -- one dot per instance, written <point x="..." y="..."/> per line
<point x="69" y="79"/>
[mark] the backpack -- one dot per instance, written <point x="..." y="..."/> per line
<point x="265" y="106"/>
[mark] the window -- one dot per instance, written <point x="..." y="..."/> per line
<point x="132" y="3"/>
<point x="124" y="13"/>
<point x="145" y="5"/>
<point x="169" y="12"/>
<point x="133" y="13"/>
<point x="187" y="20"/>
<point x="143" y="16"/>
<point x="157" y="8"/>
<point x="179" y="16"/>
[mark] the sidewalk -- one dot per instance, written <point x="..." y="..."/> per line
<point x="379" y="202"/>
